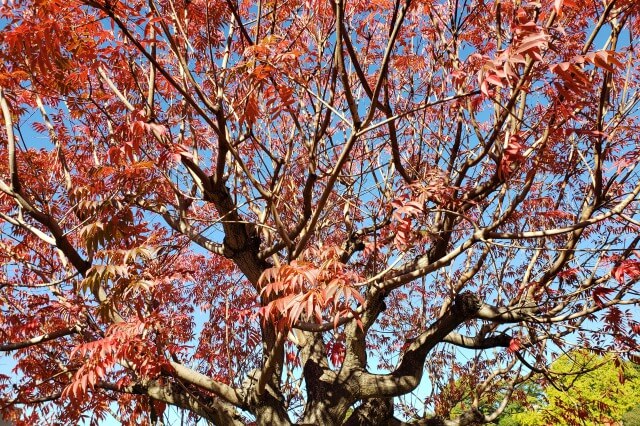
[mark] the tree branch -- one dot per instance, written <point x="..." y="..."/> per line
<point x="213" y="409"/>
<point x="479" y="341"/>
<point x="226" y="392"/>
<point x="408" y="374"/>
<point x="7" y="347"/>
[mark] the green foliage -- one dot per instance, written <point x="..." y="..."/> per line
<point x="524" y="418"/>
<point x="632" y="417"/>
<point x="590" y="391"/>
<point x="527" y="413"/>
<point x="603" y="393"/>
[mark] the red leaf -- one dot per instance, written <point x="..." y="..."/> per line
<point x="511" y="158"/>
<point x="599" y="293"/>
<point x="336" y="352"/>
<point x="514" y="345"/>
<point x="626" y="268"/>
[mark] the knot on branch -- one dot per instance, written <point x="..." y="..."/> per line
<point x="248" y="242"/>
<point x="466" y="304"/>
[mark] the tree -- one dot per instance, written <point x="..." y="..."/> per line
<point x="602" y="394"/>
<point x="278" y="211"/>
<point x="632" y="417"/>
<point x="586" y="389"/>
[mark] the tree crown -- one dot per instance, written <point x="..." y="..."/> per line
<point x="277" y="212"/>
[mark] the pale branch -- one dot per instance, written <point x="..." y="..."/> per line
<point x="60" y="239"/>
<point x="518" y="378"/>
<point x="408" y="374"/>
<point x="485" y="312"/>
<point x="31" y="401"/>
<point x="321" y="125"/>
<point x="228" y="393"/>
<point x="339" y="60"/>
<point x="505" y="315"/>
<point x="386" y="57"/>
<point x="484" y="385"/>
<point x="8" y="347"/>
<point x="183" y="227"/>
<point x="479" y="341"/>
<point x="333" y="177"/>
<point x="587" y="310"/>
<point x="184" y="66"/>
<point x="213" y="409"/>
<point x="310" y="228"/>
<point x="423" y="106"/>
<point x="11" y="142"/>
<point x="225" y="146"/>
<point x="23" y="224"/>
<point x="51" y="283"/>
<point x="425" y="265"/>
<point x="115" y="89"/>
<point x="14" y="190"/>
<point x="105" y="8"/>
<point x="618" y="209"/>
<point x="329" y="107"/>
<point x="271" y="362"/>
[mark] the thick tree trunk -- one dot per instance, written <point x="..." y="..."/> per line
<point x="374" y="411"/>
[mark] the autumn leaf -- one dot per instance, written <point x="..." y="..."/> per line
<point x="515" y="344"/>
<point x="626" y="268"/>
<point x="599" y="294"/>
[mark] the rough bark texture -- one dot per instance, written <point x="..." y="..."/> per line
<point x="374" y="411"/>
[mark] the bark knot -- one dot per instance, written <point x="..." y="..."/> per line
<point x="467" y="304"/>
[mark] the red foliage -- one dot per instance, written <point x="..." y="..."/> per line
<point x="271" y="212"/>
